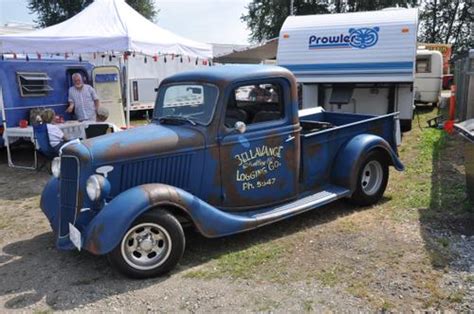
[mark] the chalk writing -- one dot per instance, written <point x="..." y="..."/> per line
<point x="255" y="164"/>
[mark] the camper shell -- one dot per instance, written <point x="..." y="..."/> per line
<point x="362" y="62"/>
<point x="429" y="76"/>
<point x="28" y="84"/>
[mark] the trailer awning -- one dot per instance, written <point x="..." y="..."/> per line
<point x="251" y="55"/>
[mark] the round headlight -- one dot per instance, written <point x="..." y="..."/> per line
<point x="93" y="187"/>
<point x="56" y="167"/>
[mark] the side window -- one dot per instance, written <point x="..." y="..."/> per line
<point x="33" y="83"/>
<point x="423" y="65"/>
<point x="253" y="104"/>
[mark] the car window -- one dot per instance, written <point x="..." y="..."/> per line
<point x="195" y="102"/>
<point x="256" y="103"/>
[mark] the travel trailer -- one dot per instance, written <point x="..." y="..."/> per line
<point x="27" y="84"/>
<point x="362" y="62"/>
<point x="428" y="76"/>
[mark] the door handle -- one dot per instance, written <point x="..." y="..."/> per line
<point x="290" y="138"/>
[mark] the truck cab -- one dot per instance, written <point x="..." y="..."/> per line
<point x="227" y="151"/>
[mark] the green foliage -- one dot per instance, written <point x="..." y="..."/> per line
<point x="265" y="17"/>
<point x="368" y="5"/>
<point x="448" y="22"/>
<point x="52" y="12"/>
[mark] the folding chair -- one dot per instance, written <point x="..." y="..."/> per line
<point x="94" y="130"/>
<point x="42" y="144"/>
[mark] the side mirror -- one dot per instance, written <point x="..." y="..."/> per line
<point x="240" y="127"/>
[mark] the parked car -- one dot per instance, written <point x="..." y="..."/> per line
<point x="230" y="162"/>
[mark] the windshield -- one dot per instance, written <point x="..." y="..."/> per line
<point x="190" y="102"/>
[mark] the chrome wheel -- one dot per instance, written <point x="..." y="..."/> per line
<point x="372" y="177"/>
<point x="146" y="246"/>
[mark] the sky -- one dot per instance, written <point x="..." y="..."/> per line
<point x="211" y="21"/>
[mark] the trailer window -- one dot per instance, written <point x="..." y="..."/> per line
<point x="423" y="65"/>
<point x="33" y="83"/>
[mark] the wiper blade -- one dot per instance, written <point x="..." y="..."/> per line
<point x="176" y="118"/>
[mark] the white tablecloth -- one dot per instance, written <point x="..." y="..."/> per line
<point x="71" y="130"/>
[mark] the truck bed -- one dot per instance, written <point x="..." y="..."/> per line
<point x="324" y="133"/>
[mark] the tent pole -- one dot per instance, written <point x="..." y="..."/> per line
<point x="127" y="92"/>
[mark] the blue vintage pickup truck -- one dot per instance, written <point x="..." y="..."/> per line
<point x="227" y="151"/>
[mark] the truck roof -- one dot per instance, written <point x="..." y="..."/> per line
<point x="226" y="74"/>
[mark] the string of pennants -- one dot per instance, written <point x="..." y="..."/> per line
<point x="126" y="56"/>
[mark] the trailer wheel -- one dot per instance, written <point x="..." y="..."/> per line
<point x="152" y="246"/>
<point x="372" y="179"/>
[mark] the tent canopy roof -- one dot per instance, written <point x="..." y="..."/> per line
<point x="105" y="25"/>
<point x="253" y="54"/>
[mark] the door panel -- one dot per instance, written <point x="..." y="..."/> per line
<point x="260" y="166"/>
<point x="107" y="85"/>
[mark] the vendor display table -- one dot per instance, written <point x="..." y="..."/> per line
<point x="71" y="130"/>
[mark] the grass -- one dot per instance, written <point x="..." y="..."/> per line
<point x="243" y="264"/>
<point x="4" y="222"/>
<point x="413" y="189"/>
<point x="330" y="277"/>
<point x="308" y="306"/>
<point x="366" y="248"/>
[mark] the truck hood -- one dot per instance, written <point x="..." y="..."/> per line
<point x="140" y="142"/>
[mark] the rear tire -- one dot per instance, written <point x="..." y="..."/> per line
<point x="152" y="246"/>
<point x="372" y="179"/>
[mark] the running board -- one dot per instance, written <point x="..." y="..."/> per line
<point x="329" y="194"/>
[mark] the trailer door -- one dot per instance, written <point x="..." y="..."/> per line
<point x="106" y="80"/>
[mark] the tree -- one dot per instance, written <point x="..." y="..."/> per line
<point x="52" y="12"/>
<point x="367" y="5"/>
<point x="265" y="17"/>
<point x="448" y="22"/>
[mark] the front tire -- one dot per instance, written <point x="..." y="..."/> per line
<point x="152" y="246"/>
<point x="372" y="179"/>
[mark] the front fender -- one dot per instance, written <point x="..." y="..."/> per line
<point x="49" y="202"/>
<point x="349" y="157"/>
<point x="107" y="228"/>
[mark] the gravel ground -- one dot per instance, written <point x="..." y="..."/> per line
<point x="337" y="258"/>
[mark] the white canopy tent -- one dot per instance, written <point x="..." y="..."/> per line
<point x="105" y="26"/>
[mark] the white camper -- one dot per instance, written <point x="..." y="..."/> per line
<point x="428" y="77"/>
<point x="360" y="62"/>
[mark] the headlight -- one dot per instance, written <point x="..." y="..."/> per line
<point x="56" y="167"/>
<point x="97" y="187"/>
<point x="93" y="187"/>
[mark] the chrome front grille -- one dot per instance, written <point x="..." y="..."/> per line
<point x="172" y="170"/>
<point x="68" y="192"/>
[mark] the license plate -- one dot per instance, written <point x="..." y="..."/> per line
<point x="75" y="236"/>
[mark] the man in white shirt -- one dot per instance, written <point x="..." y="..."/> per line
<point x="82" y="100"/>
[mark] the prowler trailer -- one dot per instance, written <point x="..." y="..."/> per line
<point x="359" y="62"/>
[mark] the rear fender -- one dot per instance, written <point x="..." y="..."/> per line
<point x="350" y="156"/>
<point x="107" y="228"/>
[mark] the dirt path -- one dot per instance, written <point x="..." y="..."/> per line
<point x="414" y="250"/>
